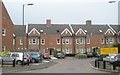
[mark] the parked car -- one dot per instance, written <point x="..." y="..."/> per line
<point x="46" y="56"/>
<point x="19" y="57"/>
<point x="89" y="54"/>
<point x="36" y="56"/>
<point x="60" y="55"/>
<point x="30" y="58"/>
<point x="7" y="59"/>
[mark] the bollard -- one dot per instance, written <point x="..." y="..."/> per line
<point x="98" y="64"/>
<point x="104" y="64"/>
<point x="2" y="63"/>
<point x="14" y="62"/>
<point x="114" y="65"/>
<point x="95" y="63"/>
<point x="28" y="62"/>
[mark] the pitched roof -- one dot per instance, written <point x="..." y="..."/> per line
<point x="19" y="30"/>
<point x="92" y="29"/>
<point x="55" y="29"/>
<point x="116" y="27"/>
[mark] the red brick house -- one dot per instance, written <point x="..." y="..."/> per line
<point x="7" y="30"/>
<point x="70" y="39"/>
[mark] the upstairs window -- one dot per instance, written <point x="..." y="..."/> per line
<point x="13" y="41"/>
<point x="109" y="41"/>
<point x="88" y="41"/>
<point x="3" y="48"/>
<point x="82" y="41"/>
<point x="30" y="41"/>
<point x="21" y="41"/>
<point x="67" y="41"/>
<point x="33" y="41"/>
<point x="77" y="41"/>
<point x="63" y="41"/>
<point x="43" y="41"/>
<point x="58" y="41"/>
<point x="102" y="41"/>
<point x="3" y="32"/>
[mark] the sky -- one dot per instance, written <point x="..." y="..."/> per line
<point x="63" y="11"/>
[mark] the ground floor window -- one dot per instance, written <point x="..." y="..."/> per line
<point x="68" y="51"/>
<point x="80" y="50"/>
<point x="3" y="48"/>
<point x="58" y="49"/>
<point x="88" y="50"/>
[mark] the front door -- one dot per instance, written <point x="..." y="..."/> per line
<point x="51" y="51"/>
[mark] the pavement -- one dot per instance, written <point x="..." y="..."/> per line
<point x="32" y="66"/>
<point x="108" y="68"/>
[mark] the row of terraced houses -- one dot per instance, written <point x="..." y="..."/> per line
<point x="50" y="37"/>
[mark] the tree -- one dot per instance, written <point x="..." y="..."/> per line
<point x="117" y="45"/>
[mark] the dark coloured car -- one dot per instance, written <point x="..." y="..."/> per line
<point x="60" y="55"/>
<point x="89" y="54"/>
<point x="36" y="56"/>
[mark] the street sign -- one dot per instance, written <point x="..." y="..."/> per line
<point x="113" y="50"/>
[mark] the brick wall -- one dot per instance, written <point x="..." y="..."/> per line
<point x="7" y="40"/>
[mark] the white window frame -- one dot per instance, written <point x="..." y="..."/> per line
<point x="88" y="50"/>
<point x="81" y="41"/>
<point x="77" y="50"/>
<point x="3" y="32"/>
<point x="81" y="50"/>
<point x="110" y="40"/>
<point x="102" y="41"/>
<point x="13" y="41"/>
<point x="21" y="41"/>
<point x="30" y="41"/>
<point x="34" y="41"/>
<point x="77" y="41"/>
<point x="107" y="41"/>
<point x="42" y="41"/>
<point x="88" y="41"/>
<point x="58" y="41"/>
<point x="67" y="41"/>
<point x="59" y="49"/>
<point x="63" y="41"/>
<point x="67" y="51"/>
<point x="3" y="48"/>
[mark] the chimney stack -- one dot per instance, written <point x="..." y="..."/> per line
<point x="48" y="22"/>
<point x="88" y="22"/>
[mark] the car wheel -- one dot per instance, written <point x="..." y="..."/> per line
<point x="33" y="61"/>
<point x="19" y="62"/>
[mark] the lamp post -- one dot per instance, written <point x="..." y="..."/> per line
<point x="116" y="35"/>
<point x="23" y="24"/>
<point x="23" y="10"/>
<point x="114" y="1"/>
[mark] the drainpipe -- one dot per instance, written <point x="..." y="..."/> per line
<point x="61" y="44"/>
<point x="74" y="43"/>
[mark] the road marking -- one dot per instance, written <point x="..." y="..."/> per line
<point x="93" y="67"/>
<point x="46" y="61"/>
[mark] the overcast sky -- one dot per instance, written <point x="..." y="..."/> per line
<point x="63" y="11"/>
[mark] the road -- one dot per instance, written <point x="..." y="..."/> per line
<point x="68" y="65"/>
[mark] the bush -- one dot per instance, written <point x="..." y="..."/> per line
<point x="80" y="55"/>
